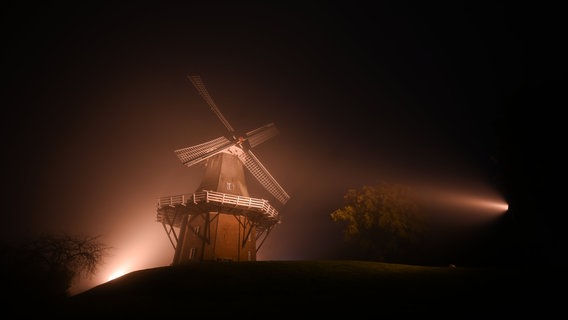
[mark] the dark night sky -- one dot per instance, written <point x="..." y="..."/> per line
<point x="95" y="100"/>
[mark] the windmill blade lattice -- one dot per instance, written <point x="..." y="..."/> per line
<point x="192" y="155"/>
<point x="258" y="136"/>
<point x="200" y="86"/>
<point x="256" y="168"/>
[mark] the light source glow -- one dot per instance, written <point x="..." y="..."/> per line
<point x="117" y="274"/>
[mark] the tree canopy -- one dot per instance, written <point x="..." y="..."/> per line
<point x="383" y="222"/>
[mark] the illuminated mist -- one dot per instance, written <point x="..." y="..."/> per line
<point x="100" y="100"/>
<point x="144" y="244"/>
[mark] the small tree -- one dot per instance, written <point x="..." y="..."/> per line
<point x="47" y="266"/>
<point x="383" y="222"/>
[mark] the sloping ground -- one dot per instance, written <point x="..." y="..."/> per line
<point x="317" y="288"/>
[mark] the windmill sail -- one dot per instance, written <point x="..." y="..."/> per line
<point x="200" y="86"/>
<point x="252" y="163"/>
<point x="192" y="155"/>
<point x="258" y="136"/>
<point x="195" y="154"/>
<point x="240" y="146"/>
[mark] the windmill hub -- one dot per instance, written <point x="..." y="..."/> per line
<point x="235" y="150"/>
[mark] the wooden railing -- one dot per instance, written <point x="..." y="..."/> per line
<point x="219" y="198"/>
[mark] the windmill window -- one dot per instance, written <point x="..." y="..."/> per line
<point x="230" y="186"/>
<point x="191" y="253"/>
<point x="196" y="229"/>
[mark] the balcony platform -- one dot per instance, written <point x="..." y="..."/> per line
<point x="171" y="209"/>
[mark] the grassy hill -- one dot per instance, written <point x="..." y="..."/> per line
<point x="318" y="288"/>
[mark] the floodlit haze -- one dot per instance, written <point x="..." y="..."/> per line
<point x="97" y="100"/>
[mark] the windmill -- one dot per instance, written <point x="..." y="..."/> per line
<point x="220" y="221"/>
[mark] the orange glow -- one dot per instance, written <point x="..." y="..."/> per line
<point x="478" y="202"/>
<point x="492" y="204"/>
<point x="136" y="246"/>
<point x="118" y="273"/>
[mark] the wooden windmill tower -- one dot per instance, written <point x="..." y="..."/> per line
<point x="221" y="221"/>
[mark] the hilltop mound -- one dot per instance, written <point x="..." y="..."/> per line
<point x="299" y="288"/>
